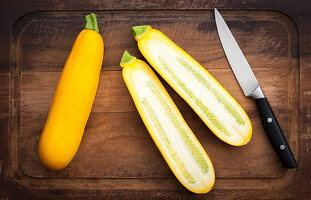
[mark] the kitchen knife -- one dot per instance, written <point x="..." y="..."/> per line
<point x="251" y="88"/>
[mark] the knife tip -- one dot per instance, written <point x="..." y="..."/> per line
<point x="216" y="13"/>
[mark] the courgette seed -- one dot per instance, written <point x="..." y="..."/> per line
<point x="235" y="114"/>
<point x="180" y="165"/>
<point x="211" y="117"/>
<point x="191" y="146"/>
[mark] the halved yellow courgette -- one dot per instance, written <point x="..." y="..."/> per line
<point x="214" y="105"/>
<point x="178" y="145"/>
<point x="73" y="98"/>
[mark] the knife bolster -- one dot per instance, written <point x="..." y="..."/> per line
<point x="257" y="93"/>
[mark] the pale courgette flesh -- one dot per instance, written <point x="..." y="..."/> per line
<point x="175" y="140"/>
<point x="213" y="104"/>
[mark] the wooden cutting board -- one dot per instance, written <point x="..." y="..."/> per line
<point x="117" y="157"/>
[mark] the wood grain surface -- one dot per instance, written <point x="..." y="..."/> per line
<point x="117" y="158"/>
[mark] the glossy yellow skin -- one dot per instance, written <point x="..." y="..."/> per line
<point x="135" y="74"/>
<point x="153" y="36"/>
<point x="72" y="102"/>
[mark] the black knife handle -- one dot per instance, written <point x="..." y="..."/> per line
<point x="275" y="133"/>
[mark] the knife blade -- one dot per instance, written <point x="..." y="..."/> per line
<point x="251" y="88"/>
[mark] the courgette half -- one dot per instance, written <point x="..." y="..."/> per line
<point x="214" y="105"/>
<point x="175" y="140"/>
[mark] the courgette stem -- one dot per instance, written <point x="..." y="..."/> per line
<point x="139" y="31"/>
<point x="91" y="22"/>
<point x="126" y="58"/>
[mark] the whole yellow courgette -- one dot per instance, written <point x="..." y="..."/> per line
<point x="214" y="105"/>
<point x="73" y="99"/>
<point x="175" y="140"/>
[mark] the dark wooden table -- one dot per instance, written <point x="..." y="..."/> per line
<point x="117" y="158"/>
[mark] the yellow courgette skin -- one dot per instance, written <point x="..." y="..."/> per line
<point x="175" y="140"/>
<point x="72" y="102"/>
<point x="213" y="104"/>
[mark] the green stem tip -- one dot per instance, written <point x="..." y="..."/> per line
<point x="126" y="58"/>
<point x="139" y="31"/>
<point x="91" y="22"/>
